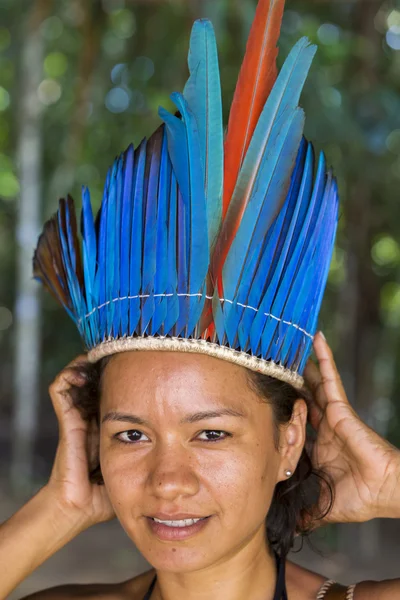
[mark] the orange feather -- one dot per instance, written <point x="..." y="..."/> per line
<point x="256" y="80"/>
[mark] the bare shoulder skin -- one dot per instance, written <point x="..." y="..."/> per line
<point x="133" y="589"/>
<point x="302" y="584"/>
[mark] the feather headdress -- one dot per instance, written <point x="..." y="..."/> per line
<point x="204" y="244"/>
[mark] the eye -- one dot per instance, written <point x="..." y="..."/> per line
<point x="214" y="435"/>
<point x="132" y="436"/>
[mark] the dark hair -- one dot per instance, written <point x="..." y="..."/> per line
<point x="296" y="504"/>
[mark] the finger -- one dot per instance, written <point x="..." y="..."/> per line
<point x="59" y="390"/>
<point x="330" y="378"/>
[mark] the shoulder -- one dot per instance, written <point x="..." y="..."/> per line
<point x="302" y="583"/>
<point x="133" y="589"/>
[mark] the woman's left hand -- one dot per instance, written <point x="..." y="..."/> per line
<point x="364" y="467"/>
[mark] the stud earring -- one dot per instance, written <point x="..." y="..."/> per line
<point x="288" y="473"/>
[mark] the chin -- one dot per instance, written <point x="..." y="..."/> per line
<point x="178" y="559"/>
<point x="182" y="556"/>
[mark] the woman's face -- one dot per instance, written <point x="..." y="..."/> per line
<point x="184" y="437"/>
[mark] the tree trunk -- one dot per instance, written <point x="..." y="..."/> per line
<point x="27" y="309"/>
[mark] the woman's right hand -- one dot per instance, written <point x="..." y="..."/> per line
<point x="78" y="445"/>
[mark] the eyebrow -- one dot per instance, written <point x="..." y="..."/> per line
<point x="193" y="418"/>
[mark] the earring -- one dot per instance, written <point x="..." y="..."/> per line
<point x="288" y="473"/>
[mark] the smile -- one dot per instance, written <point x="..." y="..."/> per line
<point x="178" y="529"/>
<point x="181" y="523"/>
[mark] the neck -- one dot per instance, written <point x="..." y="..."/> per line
<point x="248" y="573"/>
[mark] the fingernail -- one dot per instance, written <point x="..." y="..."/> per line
<point x="322" y="335"/>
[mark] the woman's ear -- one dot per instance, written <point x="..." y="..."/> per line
<point x="292" y="439"/>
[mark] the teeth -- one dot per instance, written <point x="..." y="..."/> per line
<point x="183" y="523"/>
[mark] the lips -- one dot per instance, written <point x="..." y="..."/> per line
<point x="175" y="529"/>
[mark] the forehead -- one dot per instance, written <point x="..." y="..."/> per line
<point x="173" y="377"/>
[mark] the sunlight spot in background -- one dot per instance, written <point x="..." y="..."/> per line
<point x="52" y="28"/>
<point x="328" y="34"/>
<point x="393" y="37"/>
<point x="119" y="73"/>
<point x="331" y="97"/>
<point x="9" y="185"/>
<point x="6" y="318"/>
<point x="117" y="100"/>
<point x="393" y="141"/>
<point x="123" y="23"/>
<point x="73" y="13"/>
<point x="292" y="22"/>
<point x="55" y="64"/>
<point x="138" y="102"/>
<point x="49" y="91"/>
<point x="386" y="252"/>
<point x="143" y="68"/>
<point x="390" y="303"/>
<point x="4" y="99"/>
<point x="393" y="19"/>
<point x="113" y="45"/>
<point x="393" y="33"/>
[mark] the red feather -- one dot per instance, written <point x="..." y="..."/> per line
<point x="256" y="80"/>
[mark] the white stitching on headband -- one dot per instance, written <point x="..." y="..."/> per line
<point x="192" y="295"/>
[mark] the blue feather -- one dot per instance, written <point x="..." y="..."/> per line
<point x="150" y="228"/>
<point x="89" y="251"/>
<point x="102" y="257"/>
<point x="135" y="279"/>
<point x="111" y="248"/>
<point x="271" y="257"/>
<point x="116" y="293"/>
<point x="125" y="241"/>
<point x="178" y="150"/>
<point x="182" y="266"/>
<point x="203" y="95"/>
<point x="161" y="275"/>
<point x="197" y="242"/>
<point x="262" y="209"/>
<point x="275" y="280"/>
<point x="172" y="300"/>
<point x="286" y="284"/>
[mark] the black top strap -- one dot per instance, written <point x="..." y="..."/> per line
<point x="280" y="590"/>
<point x="151" y="588"/>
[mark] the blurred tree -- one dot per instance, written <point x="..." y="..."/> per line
<point x="27" y="310"/>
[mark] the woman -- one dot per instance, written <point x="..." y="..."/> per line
<point x="168" y="470"/>
<point x="197" y="297"/>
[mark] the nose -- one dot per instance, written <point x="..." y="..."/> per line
<point x="172" y="472"/>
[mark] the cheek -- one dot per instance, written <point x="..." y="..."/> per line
<point x="124" y="477"/>
<point x="241" y="481"/>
